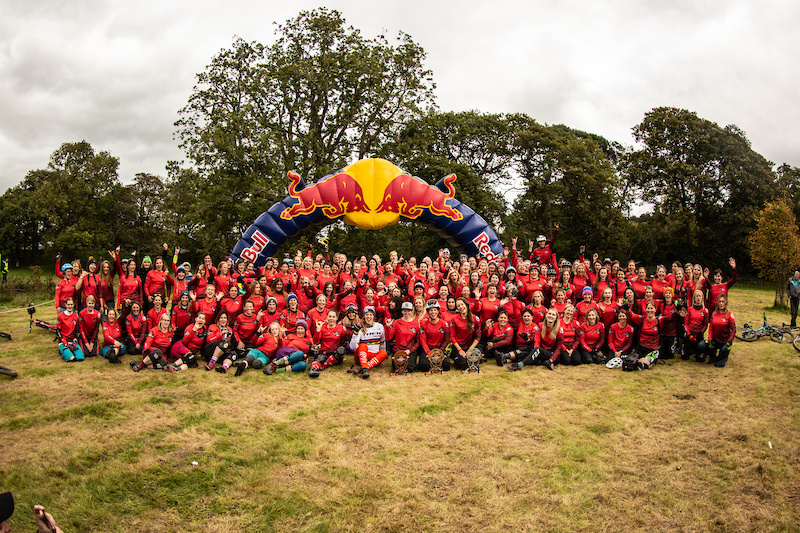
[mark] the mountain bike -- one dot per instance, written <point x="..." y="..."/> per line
<point x="775" y="333"/>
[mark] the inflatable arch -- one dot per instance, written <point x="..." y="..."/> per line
<point x="370" y="194"/>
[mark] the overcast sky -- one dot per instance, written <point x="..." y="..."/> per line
<point x="115" y="73"/>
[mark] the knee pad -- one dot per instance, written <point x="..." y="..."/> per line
<point x="255" y="363"/>
<point x="250" y="358"/>
<point x="190" y="360"/>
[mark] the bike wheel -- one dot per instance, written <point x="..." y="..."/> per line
<point x="747" y="335"/>
<point x="796" y="343"/>
<point x="781" y="336"/>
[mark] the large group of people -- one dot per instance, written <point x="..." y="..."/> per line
<point x="307" y="313"/>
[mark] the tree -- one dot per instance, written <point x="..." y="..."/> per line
<point x="74" y="198"/>
<point x="705" y="182"/>
<point x="475" y="146"/>
<point x="567" y="178"/>
<point x="775" y="245"/>
<point x="319" y="98"/>
<point x="789" y="186"/>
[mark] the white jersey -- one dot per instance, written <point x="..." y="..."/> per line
<point x="374" y="337"/>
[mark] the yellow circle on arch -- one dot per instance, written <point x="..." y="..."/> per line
<point x="373" y="175"/>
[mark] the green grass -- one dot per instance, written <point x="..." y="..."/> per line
<point x="682" y="447"/>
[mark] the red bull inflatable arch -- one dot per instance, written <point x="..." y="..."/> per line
<point x="369" y="194"/>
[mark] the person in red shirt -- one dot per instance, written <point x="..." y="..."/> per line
<point x="181" y="315"/>
<point x="317" y="315"/>
<point x="89" y="325"/>
<point x="718" y="287"/>
<point x="156" y="283"/>
<point x="113" y="337"/>
<point x="222" y="343"/>
<point x="184" y="352"/>
<point x="292" y="314"/>
<point x="130" y="288"/>
<point x="291" y="356"/>
<point x="569" y="329"/>
<point x="620" y="336"/>
<point x="669" y="329"/>
<point x="525" y="336"/>
<point x="465" y="332"/>
<point x="329" y="342"/>
<point x="232" y="303"/>
<point x="721" y="331"/>
<point x="269" y="340"/>
<point x="404" y="336"/>
<point x="136" y="327"/>
<point x="156" y="345"/>
<point x="587" y="302"/>
<point x="541" y="254"/>
<point x="208" y="305"/>
<point x="695" y="324"/>
<point x="69" y="332"/>
<point x="89" y="284"/>
<point x="489" y="306"/>
<point x="607" y="308"/>
<point x="434" y="334"/>
<point x="65" y="288"/>
<point x="154" y="314"/>
<point x="499" y="338"/>
<point x="592" y="338"/>
<point x="650" y="326"/>
<point x="546" y="345"/>
<point x="246" y="327"/>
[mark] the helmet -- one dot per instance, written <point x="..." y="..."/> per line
<point x="66" y="266"/>
<point x="432" y="304"/>
<point x="566" y="263"/>
<point x="552" y="272"/>
<point x="541" y="238"/>
<point x="616" y="362"/>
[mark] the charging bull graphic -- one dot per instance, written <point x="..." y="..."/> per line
<point x="370" y="194"/>
<point x="408" y="196"/>
<point x="335" y="194"/>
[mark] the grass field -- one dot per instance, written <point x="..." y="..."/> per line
<point x="681" y="447"/>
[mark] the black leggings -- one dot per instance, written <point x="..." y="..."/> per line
<point x="537" y="356"/>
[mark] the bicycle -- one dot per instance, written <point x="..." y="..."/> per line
<point x="775" y="333"/>
<point x="52" y="328"/>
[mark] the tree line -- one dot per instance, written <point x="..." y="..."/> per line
<point x="323" y="96"/>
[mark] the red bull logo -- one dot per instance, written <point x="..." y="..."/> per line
<point x="409" y="196"/>
<point x="481" y="242"/>
<point x="260" y="242"/>
<point x="336" y="195"/>
<point x="371" y="194"/>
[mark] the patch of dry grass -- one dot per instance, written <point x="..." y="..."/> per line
<point x="682" y="447"/>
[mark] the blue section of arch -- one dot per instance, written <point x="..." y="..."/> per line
<point x="471" y="235"/>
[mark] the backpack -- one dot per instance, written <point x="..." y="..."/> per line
<point x="630" y="363"/>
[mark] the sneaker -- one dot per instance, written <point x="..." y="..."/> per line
<point x="210" y="366"/>
<point x="240" y="366"/>
<point x="512" y="368"/>
<point x="112" y="358"/>
<point x="685" y="356"/>
<point x="7" y="372"/>
<point x="221" y="369"/>
<point x="364" y="373"/>
<point x="700" y="358"/>
<point x="549" y="364"/>
<point x="133" y="364"/>
<point x="313" y="373"/>
<point x="135" y="367"/>
<point x="269" y="369"/>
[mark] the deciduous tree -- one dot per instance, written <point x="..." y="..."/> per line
<point x="775" y="245"/>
